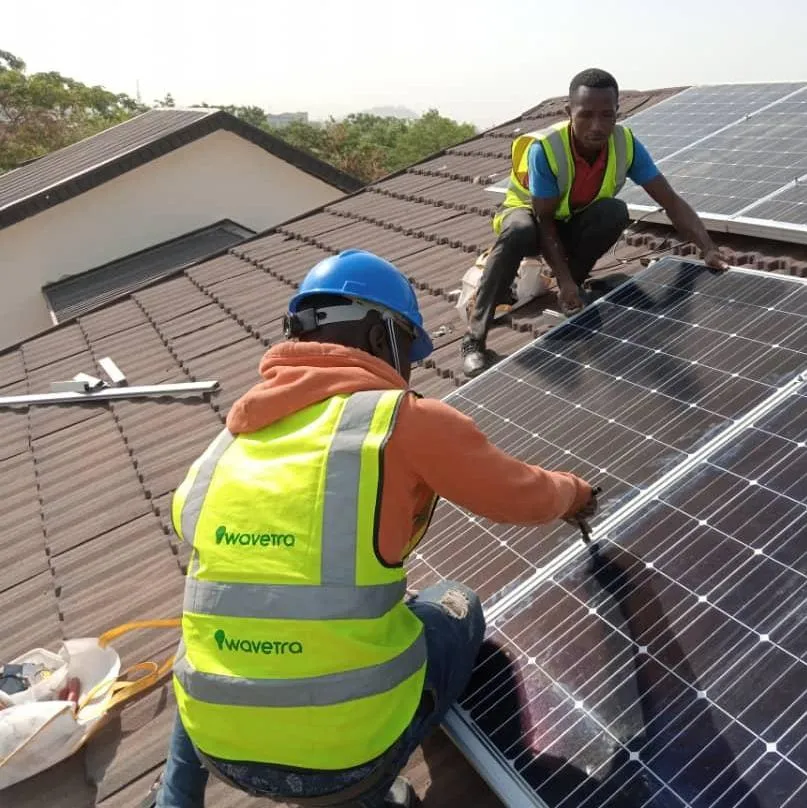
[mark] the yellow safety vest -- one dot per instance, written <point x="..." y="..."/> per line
<point x="297" y="648"/>
<point x="556" y="143"/>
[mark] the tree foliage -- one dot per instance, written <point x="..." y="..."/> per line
<point x="370" y="146"/>
<point x="40" y="112"/>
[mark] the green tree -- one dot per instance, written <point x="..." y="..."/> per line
<point x="371" y="146"/>
<point x="40" y="112"/>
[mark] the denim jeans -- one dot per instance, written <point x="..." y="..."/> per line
<point x="454" y="627"/>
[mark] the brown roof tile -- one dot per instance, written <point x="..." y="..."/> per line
<point x="58" y="344"/>
<point x="112" y="320"/>
<point x="30" y="615"/>
<point x="138" y="566"/>
<point x="62" y="786"/>
<point x="12" y="368"/>
<point x="13" y="426"/>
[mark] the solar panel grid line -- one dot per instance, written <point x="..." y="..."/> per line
<point x="593" y="717"/>
<point x="778" y="192"/>
<point x="722" y="303"/>
<point x="633" y="505"/>
<point x="579" y="705"/>
<point x="729" y="126"/>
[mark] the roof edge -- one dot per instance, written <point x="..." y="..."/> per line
<point x="217" y="120"/>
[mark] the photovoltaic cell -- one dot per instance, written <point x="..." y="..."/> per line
<point x="698" y="112"/>
<point x="731" y="171"/>
<point x="618" y="395"/>
<point x="789" y="205"/>
<point x="666" y="665"/>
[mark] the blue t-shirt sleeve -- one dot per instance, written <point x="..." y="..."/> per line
<point x="643" y="169"/>
<point x="543" y="184"/>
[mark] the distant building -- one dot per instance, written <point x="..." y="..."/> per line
<point x="285" y="118"/>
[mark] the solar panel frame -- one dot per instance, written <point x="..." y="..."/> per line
<point x="476" y="746"/>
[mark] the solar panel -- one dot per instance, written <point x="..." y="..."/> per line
<point x="730" y="171"/>
<point x="698" y="112"/>
<point x="666" y="668"/>
<point x="618" y="410"/>
<point x="789" y="205"/>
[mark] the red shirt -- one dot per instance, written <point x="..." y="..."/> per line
<point x="587" y="178"/>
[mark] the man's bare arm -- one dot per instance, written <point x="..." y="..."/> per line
<point x="685" y="220"/>
<point x="553" y="252"/>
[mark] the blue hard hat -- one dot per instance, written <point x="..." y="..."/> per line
<point x="363" y="276"/>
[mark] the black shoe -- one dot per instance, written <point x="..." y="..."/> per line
<point x="474" y="358"/>
<point x="401" y="795"/>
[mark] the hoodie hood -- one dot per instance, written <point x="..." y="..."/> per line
<point x="298" y="374"/>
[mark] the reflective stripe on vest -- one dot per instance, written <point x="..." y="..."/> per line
<point x="557" y="147"/>
<point x="315" y="691"/>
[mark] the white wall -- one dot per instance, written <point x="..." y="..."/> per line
<point x="219" y="176"/>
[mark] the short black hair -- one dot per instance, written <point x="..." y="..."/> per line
<point x="595" y="78"/>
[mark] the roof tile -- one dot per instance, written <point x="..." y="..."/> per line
<point x="112" y="319"/>
<point x="267" y="247"/>
<point x="162" y="451"/>
<point x="52" y="346"/>
<point x="236" y="369"/>
<point x="291" y="266"/>
<point x="62" y="786"/>
<point x="13" y="428"/>
<point x="12" y="368"/>
<point x="82" y="496"/>
<point x="207" y="339"/>
<point x="170" y="299"/>
<point x="313" y="225"/>
<point x="135" y="742"/>
<point x="218" y="269"/>
<point x="188" y="323"/>
<point x="138" y="567"/>
<point x="30" y="616"/>
<point x="466" y="230"/>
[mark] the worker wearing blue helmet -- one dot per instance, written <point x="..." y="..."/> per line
<point x="305" y="672"/>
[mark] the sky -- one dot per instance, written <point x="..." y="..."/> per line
<point x="482" y="62"/>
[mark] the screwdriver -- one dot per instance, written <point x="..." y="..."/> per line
<point x="583" y="524"/>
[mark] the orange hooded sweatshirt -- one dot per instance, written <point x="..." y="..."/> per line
<point x="433" y="447"/>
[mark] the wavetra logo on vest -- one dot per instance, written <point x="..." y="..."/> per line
<point x="224" y="536"/>
<point x="226" y="643"/>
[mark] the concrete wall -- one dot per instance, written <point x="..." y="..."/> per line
<point x="219" y="176"/>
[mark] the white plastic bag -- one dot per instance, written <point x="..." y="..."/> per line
<point x="532" y="280"/>
<point x="35" y="735"/>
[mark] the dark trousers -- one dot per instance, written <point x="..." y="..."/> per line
<point x="586" y="237"/>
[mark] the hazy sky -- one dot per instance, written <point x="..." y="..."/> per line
<point x="483" y="62"/>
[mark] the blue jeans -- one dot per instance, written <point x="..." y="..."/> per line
<point x="454" y="629"/>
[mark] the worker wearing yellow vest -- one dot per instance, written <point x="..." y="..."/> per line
<point x="560" y="203"/>
<point x="304" y="673"/>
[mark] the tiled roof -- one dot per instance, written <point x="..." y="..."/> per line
<point x="86" y="488"/>
<point x="81" y="166"/>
